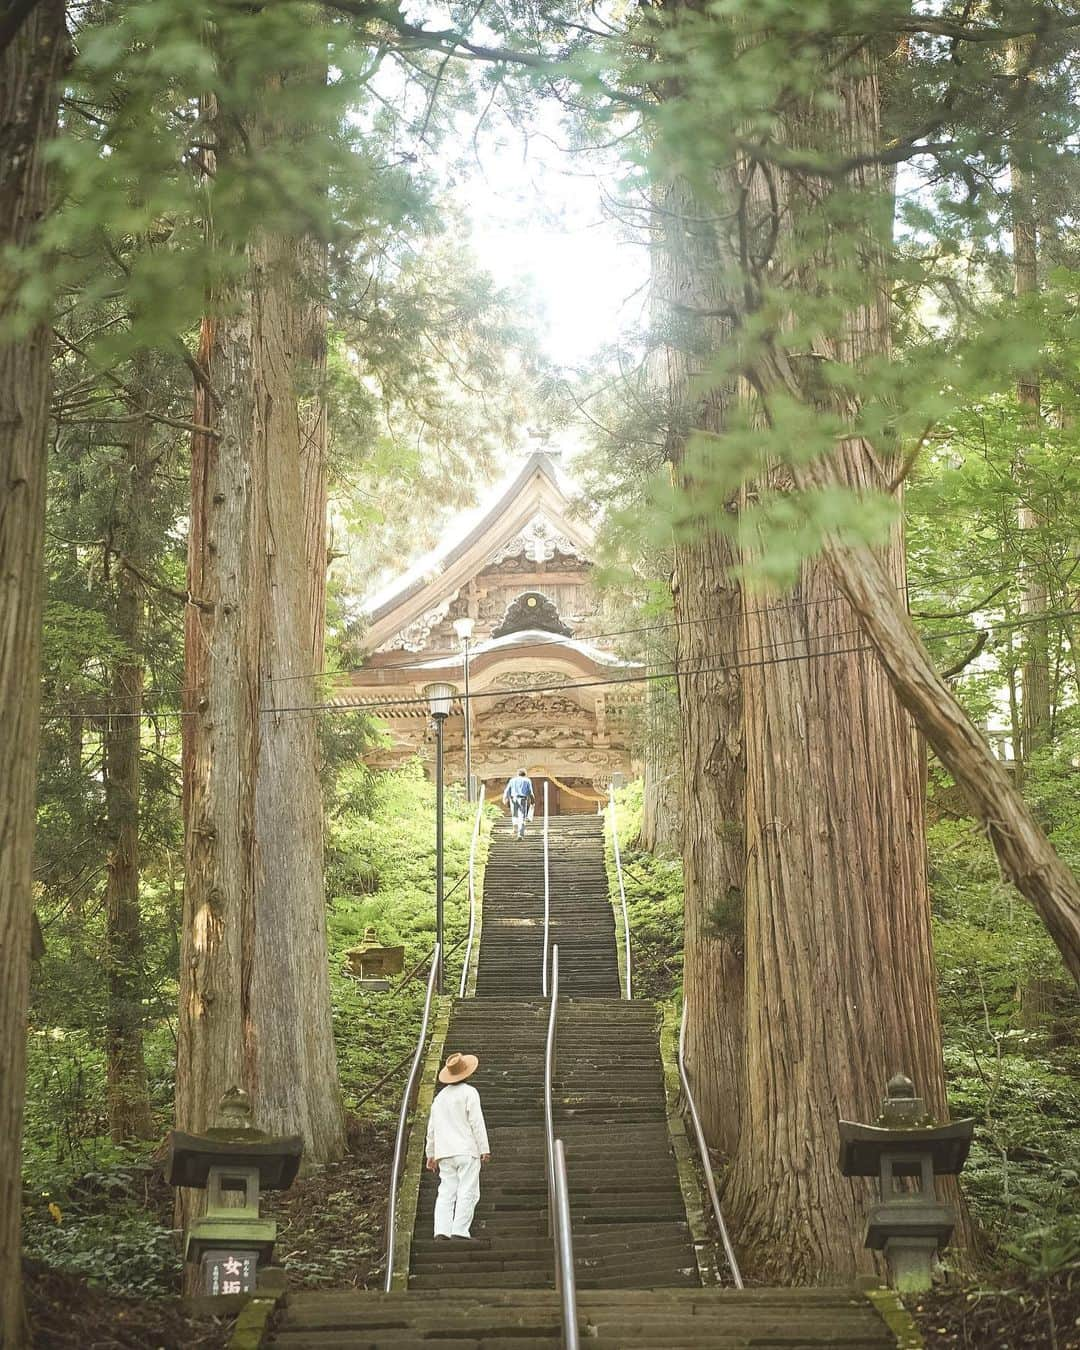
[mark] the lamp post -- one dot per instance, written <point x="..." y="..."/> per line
<point x="439" y="697"/>
<point x="463" y="627"/>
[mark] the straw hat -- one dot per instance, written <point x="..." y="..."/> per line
<point x="457" y="1068"/>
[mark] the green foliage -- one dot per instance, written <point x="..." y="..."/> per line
<point x="122" y="1249"/>
<point x="1010" y="1018"/>
<point x="92" y="1207"/>
<point x="654" y="902"/>
<point x="381" y="873"/>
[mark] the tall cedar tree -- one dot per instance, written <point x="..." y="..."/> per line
<point x="128" y="1099"/>
<point x="30" y="68"/>
<point x="839" y="977"/>
<point x="706" y="600"/>
<point x="840" y="987"/>
<point x="254" y="995"/>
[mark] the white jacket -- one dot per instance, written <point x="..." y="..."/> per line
<point x="456" y="1124"/>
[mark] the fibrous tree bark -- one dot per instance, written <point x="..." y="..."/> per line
<point x="707" y="603"/>
<point x="661" y="811"/>
<point x="841" y="987"/>
<point x="1035" y="705"/>
<point x="128" y="1099"/>
<point x="255" y="1006"/>
<point x="706" y="611"/>
<point x="30" y="68"/>
<point x="310" y="349"/>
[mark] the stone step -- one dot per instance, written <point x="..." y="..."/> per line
<point x="610" y="1104"/>
<point x="589" y="1245"/>
<point x="517" y="1319"/>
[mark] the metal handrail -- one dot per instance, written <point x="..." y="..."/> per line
<point x="547" y="899"/>
<point x="564" y="1251"/>
<point x="622" y="887"/>
<point x="706" y="1162"/>
<point x="559" y="1221"/>
<point x="472" y="892"/>
<point x="403" y="1120"/>
<point x="549" y="1078"/>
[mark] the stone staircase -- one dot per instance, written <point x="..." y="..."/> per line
<point x="637" y="1275"/>
<point x="609" y="1088"/>
<point x="630" y="1228"/>
<point x="512" y="1249"/>
<point x="702" y="1319"/>
<point x="582" y="920"/>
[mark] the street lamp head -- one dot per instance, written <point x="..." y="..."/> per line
<point x="439" y="696"/>
<point x="464" y="627"/>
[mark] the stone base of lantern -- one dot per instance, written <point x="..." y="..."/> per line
<point x="911" y="1264"/>
<point x="909" y="1233"/>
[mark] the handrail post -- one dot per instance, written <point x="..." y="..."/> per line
<point x="699" y="1134"/>
<point x="550" y="1049"/>
<point x="560" y="1227"/>
<point x="403" y="1120"/>
<point x="472" y="891"/>
<point x="622" y="887"/>
<point x="547" y="898"/>
<point x="564" y="1264"/>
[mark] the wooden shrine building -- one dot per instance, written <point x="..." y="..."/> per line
<point x="548" y="691"/>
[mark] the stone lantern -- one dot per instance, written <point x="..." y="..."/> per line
<point x="371" y="962"/>
<point x="232" y="1162"/>
<point x="905" y="1150"/>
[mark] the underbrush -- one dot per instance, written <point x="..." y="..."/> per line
<point x="1011" y="1020"/>
<point x="99" y="1210"/>
<point x="654" y="902"/>
<point x="91" y="1207"/>
<point x="1010" y="1026"/>
<point x="381" y="873"/>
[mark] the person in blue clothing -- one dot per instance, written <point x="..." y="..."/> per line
<point x="518" y="795"/>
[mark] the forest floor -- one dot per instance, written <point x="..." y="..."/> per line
<point x="331" y="1226"/>
<point x="1029" y="1315"/>
<point x="67" y="1313"/>
<point x="332" y="1222"/>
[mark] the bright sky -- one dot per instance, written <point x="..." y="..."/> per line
<point x="540" y="213"/>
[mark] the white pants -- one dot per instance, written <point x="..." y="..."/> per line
<point x="459" y="1190"/>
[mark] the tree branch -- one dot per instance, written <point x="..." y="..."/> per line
<point x="962" y="613"/>
<point x="1052" y="22"/>
<point x="185" y="597"/>
<point x="910" y="459"/>
<point x="965" y="661"/>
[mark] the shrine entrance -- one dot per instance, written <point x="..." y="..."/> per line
<point x="494" y="790"/>
<point x="566" y="797"/>
<point x="506" y="610"/>
<point x="553" y="797"/>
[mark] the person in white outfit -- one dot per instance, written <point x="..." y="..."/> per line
<point x="457" y="1145"/>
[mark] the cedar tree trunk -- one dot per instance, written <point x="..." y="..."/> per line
<point x="30" y="68"/>
<point x="661" y="814"/>
<point x="128" y="1100"/>
<point x="841" y="990"/>
<point x="707" y="603"/>
<point x="255" y="1004"/>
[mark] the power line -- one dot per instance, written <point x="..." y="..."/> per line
<point x="386" y="705"/>
<point x="417" y="663"/>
